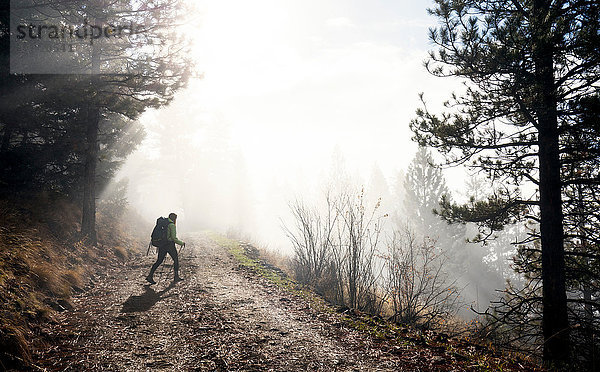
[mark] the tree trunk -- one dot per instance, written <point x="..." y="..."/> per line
<point x="88" y="221"/>
<point x="555" y="322"/>
<point x="6" y="136"/>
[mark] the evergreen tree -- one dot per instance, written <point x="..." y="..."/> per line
<point x="527" y="63"/>
<point x="424" y="187"/>
<point x="114" y="82"/>
<point x="379" y="191"/>
<point x="398" y="194"/>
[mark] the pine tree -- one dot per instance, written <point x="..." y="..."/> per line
<point x="424" y="187"/>
<point x="378" y="191"/>
<point x="116" y="80"/>
<point x="526" y="64"/>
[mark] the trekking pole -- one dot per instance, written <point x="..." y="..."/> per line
<point x="149" y="245"/>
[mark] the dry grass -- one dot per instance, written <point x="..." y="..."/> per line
<point x="276" y="259"/>
<point x="121" y="252"/>
<point x="271" y="256"/>
<point x="42" y="259"/>
<point x="74" y="277"/>
<point x="48" y="278"/>
<point x="13" y="345"/>
<point x="89" y="254"/>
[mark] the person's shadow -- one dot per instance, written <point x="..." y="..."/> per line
<point x="146" y="300"/>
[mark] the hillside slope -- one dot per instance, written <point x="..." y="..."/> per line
<point x="43" y="262"/>
<point x="230" y="313"/>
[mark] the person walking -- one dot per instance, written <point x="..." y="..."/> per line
<point x="168" y="247"/>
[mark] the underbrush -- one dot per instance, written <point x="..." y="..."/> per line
<point x="43" y="261"/>
<point x="457" y="353"/>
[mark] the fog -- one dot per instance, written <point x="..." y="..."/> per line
<point x="293" y="97"/>
<point x="286" y="87"/>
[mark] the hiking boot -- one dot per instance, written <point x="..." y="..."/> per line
<point x="150" y="280"/>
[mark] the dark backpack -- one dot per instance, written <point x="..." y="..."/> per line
<point x="159" y="234"/>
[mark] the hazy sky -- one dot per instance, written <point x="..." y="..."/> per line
<point x="289" y="81"/>
<point x="293" y="79"/>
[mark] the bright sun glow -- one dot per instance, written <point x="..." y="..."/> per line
<point x="289" y="82"/>
<point x="291" y="73"/>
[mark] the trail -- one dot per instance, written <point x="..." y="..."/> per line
<point x="221" y="317"/>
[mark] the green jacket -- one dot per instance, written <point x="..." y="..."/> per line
<point x="172" y="233"/>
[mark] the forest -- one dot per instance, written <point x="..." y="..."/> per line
<point x="488" y="230"/>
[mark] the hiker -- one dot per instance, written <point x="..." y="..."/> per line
<point x="168" y="247"/>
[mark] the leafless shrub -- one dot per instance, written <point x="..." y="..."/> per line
<point x="358" y="235"/>
<point x="334" y="249"/>
<point x="419" y="289"/>
<point x="311" y="240"/>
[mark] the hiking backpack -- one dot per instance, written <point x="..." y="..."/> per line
<point x="159" y="234"/>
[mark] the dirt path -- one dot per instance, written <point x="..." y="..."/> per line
<point x="220" y="318"/>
